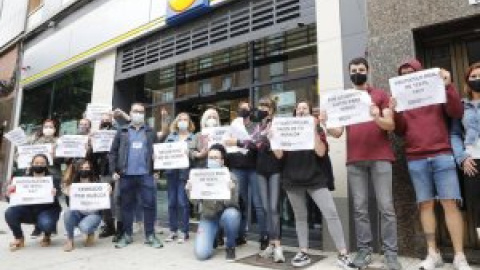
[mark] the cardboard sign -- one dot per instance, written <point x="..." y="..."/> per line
<point x="32" y="190"/>
<point x="216" y="135"/>
<point x="293" y="133"/>
<point x="210" y="184"/>
<point x="346" y="107"/>
<point x="171" y="156"/>
<point x="89" y="196"/>
<point x="102" y="140"/>
<point x="27" y="152"/>
<point x="16" y="136"/>
<point x="72" y="146"/>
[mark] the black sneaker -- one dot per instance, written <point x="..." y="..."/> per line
<point x="344" y="262"/>
<point x="264" y="242"/>
<point x="36" y="233"/>
<point x="230" y="256"/>
<point x="301" y="259"/>
<point x="240" y="241"/>
<point x="107" y="231"/>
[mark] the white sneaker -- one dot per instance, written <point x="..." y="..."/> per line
<point x="278" y="255"/>
<point x="171" y="237"/>
<point x="268" y="252"/>
<point x="431" y="262"/>
<point x="460" y="262"/>
<point x="181" y="238"/>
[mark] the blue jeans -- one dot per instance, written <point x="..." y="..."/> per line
<point x="228" y="220"/>
<point x="45" y="220"/>
<point x="87" y="223"/>
<point x="177" y="201"/>
<point x="435" y="178"/>
<point x="130" y="185"/>
<point x="247" y="179"/>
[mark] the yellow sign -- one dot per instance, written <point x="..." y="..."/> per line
<point x="180" y="5"/>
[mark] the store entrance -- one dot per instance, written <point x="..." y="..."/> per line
<point x="456" y="52"/>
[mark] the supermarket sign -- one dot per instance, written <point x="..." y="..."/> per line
<point x="179" y="11"/>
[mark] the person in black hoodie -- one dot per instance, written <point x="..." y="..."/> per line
<point x="243" y="166"/>
<point x="44" y="216"/>
<point x="304" y="172"/>
<point x="268" y="173"/>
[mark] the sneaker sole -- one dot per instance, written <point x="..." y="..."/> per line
<point x="302" y="264"/>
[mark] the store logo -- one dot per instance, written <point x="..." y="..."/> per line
<point x="181" y="10"/>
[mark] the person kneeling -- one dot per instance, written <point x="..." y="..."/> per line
<point x="86" y="221"/>
<point x="216" y="214"/>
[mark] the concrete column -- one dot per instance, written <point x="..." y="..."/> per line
<point x="104" y="78"/>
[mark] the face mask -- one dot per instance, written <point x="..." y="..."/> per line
<point x="475" y="85"/>
<point x="358" y="78"/>
<point x="211" y="122"/>
<point x="244" y="113"/>
<point x="138" y="118"/>
<point x="39" y="169"/>
<point x="182" y="125"/>
<point x="82" y="130"/>
<point x="261" y="115"/>
<point x="48" y="132"/>
<point x="213" y="164"/>
<point x="106" y="124"/>
<point x="84" y="173"/>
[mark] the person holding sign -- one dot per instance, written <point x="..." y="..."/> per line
<point x="304" y="172"/>
<point x="86" y="221"/>
<point x="243" y="166"/>
<point x="365" y="165"/>
<point x="131" y="162"/>
<point x="181" y="130"/>
<point x="210" y="119"/>
<point x="268" y="173"/>
<point x="427" y="146"/>
<point x="217" y="214"/>
<point x="44" y="216"/>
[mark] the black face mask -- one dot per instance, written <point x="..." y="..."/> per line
<point x="244" y="113"/>
<point x="39" y="169"/>
<point x="358" y="78"/>
<point x="258" y="115"/>
<point x="84" y="173"/>
<point x="474" y="85"/>
<point x="106" y="125"/>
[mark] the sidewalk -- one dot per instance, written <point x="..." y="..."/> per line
<point x="137" y="256"/>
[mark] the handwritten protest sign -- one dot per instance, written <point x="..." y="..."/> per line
<point x="210" y="184"/>
<point x="72" y="146"/>
<point x="16" y="136"/>
<point x="89" y="196"/>
<point x="27" y="152"/>
<point x="171" y="155"/>
<point x="102" y="140"/>
<point x="346" y="107"/>
<point x="418" y="89"/>
<point x="32" y="190"/>
<point x="94" y="113"/>
<point x="216" y="135"/>
<point x="293" y="133"/>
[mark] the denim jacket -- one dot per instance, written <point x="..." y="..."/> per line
<point x="191" y="141"/>
<point x="456" y="140"/>
<point x="471" y="122"/>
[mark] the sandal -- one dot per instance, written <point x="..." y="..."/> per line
<point x="46" y="241"/>
<point x="17" y="244"/>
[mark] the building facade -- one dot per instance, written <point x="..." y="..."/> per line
<point x="443" y="34"/>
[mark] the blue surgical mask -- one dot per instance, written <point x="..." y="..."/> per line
<point x="213" y="164"/>
<point x="183" y="125"/>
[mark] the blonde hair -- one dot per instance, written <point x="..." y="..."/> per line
<point x="174" y="124"/>
<point x="209" y="112"/>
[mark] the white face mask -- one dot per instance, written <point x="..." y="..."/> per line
<point x="138" y="118"/>
<point x="211" y="122"/>
<point x="48" y="131"/>
<point x="182" y="125"/>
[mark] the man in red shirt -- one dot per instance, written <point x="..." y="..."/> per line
<point x="369" y="158"/>
<point x="432" y="166"/>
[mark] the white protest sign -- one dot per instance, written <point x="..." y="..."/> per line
<point x="346" y="107"/>
<point x="171" y="156"/>
<point x="216" y="135"/>
<point x="16" y="136"/>
<point x="89" y="196"/>
<point x="102" y="140"/>
<point x="27" y="152"/>
<point x="293" y="133"/>
<point x="72" y="146"/>
<point x="210" y="184"/>
<point x="32" y="190"/>
<point x="94" y="113"/>
<point x="418" y="89"/>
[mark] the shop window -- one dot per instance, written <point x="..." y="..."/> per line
<point x="205" y="87"/>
